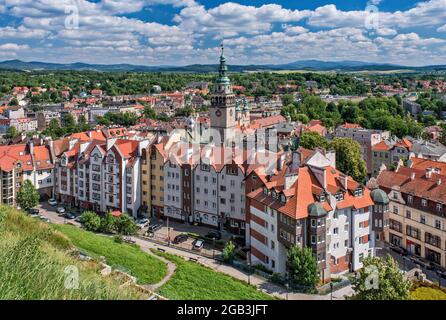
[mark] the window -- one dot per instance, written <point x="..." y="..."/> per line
<point x="408" y="214"/>
<point x="313" y="239"/>
<point x="439" y="207"/>
<point x="335" y="231"/>
<point x="424" y="202"/>
<point x="423" y="219"/>
<point x="361" y="257"/>
<point x="395" y="209"/>
<point x="409" y="199"/>
<point x="313" y="223"/>
<point x="413" y="232"/>
<point x="438" y="224"/>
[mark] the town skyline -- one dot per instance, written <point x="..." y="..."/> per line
<point x="254" y="32"/>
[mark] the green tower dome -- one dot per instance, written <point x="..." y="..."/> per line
<point x="316" y="210"/>
<point x="379" y="196"/>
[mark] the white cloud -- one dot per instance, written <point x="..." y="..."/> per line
<point x="13" y="47"/>
<point x="442" y="29"/>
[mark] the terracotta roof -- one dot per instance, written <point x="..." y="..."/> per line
<point x="351" y="126"/>
<point x="382" y="146"/>
<point x="424" y="164"/>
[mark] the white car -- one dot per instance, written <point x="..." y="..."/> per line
<point x="60" y="210"/>
<point x="52" y="202"/>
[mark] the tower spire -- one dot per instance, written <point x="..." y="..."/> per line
<point x="223" y="69"/>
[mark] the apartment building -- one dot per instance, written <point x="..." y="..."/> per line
<point x="25" y="162"/>
<point x="311" y="204"/>
<point x="417" y="208"/>
<point x="366" y="139"/>
<point x="389" y="152"/>
<point x="101" y="175"/>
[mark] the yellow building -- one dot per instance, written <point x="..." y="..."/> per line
<point x="152" y="177"/>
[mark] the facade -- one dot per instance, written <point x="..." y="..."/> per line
<point x="389" y="152"/>
<point x="417" y="210"/>
<point x="312" y="205"/>
<point x="101" y="175"/>
<point x="25" y="162"/>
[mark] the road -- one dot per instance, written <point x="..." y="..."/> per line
<point x="406" y="264"/>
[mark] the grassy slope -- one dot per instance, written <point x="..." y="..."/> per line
<point x="33" y="258"/>
<point x="192" y="281"/>
<point x="131" y="259"/>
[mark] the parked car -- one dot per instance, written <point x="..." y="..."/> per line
<point x="180" y="238"/>
<point x="52" y="202"/>
<point x="33" y="212"/>
<point x="60" y="210"/>
<point x="70" y="216"/>
<point x="154" y="227"/>
<point x="423" y="263"/>
<point x="142" y="223"/>
<point x="214" y="235"/>
<point x="198" y="245"/>
<point x="399" y="250"/>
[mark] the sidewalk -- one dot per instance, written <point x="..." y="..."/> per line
<point x="261" y="283"/>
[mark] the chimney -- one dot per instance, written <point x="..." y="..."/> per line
<point x="439" y="182"/>
<point x="428" y="173"/>
<point x="412" y="176"/>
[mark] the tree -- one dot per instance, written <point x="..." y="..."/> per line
<point x="91" y="221"/>
<point x="229" y="252"/>
<point x="108" y="223"/>
<point x="349" y="158"/>
<point x="302" y="267"/>
<point x="380" y="279"/>
<point x="11" y="133"/>
<point x="312" y="140"/>
<point x="14" y="102"/>
<point x="27" y="197"/>
<point x="126" y="225"/>
<point x="287" y="99"/>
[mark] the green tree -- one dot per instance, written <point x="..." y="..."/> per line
<point x="287" y="99"/>
<point x="312" y="140"/>
<point x="14" y="102"/>
<point x="349" y="158"/>
<point x="380" y="279"/>
<point x="11" y="133"/>
<point x="91" y="221"/>
<point x="302" y="267"/>
<point x="125" y="225"/>
<point x="108" y="223"/>
<point x="27" y="197"/>
<point x="229" y="252"/>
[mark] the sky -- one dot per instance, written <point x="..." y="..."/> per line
<point x="182" y="32"/>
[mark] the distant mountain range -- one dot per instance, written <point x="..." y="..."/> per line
<point x="309" y="65"/>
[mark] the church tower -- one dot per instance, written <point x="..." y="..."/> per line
<point x="222" y="110"/>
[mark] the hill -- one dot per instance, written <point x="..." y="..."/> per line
<point x="310" y="65"/>
<point x="33" y="262"/>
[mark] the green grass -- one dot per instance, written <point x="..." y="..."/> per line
<point x="426" y="293"/>
<point x="128" y="258"/>
<point x="192" y="281"/>
<point x="33" y="261"/>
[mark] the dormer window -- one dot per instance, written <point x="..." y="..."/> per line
<point x="274" y="194"/>
<point x="439" y="207"/>
<point x="358" y="192"/>
<point x="424" y="202"/>
<point x="283" y="198"/>
<point x="339" y="196"/>
<point x="322" y="198"/>
<point x="265" y="190"/>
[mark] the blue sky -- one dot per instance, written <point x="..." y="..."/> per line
<point x="181" y="32"/>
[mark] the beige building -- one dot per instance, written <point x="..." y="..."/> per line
<point x="417" y="211"/>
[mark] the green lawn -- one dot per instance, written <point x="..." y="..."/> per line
<point x="426" y="293"/>
<point x="192" y="281"/>
<point x="129" y="258"/>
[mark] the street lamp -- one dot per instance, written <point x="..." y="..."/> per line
<point x="439" y="278"/>
<point x="249" y="273"/>
<point x="331" y="290"/>
<point x="287" y="286"/>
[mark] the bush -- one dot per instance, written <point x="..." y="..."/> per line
<point x="276" y="278"/>
<point x="118" y="238"/>
<point x="108" y="223"/>
<point x="91" y="221"/>
<point x="125" y="225"/>
<point x="229" y="252"/>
